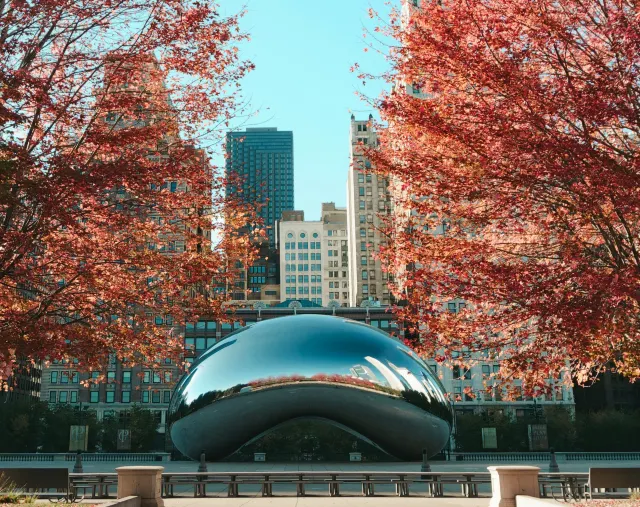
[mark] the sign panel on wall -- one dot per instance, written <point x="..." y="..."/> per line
<point x="538" y="440"/>
<point x="124" y="440"/>
<point x="489" y="438"/>
<point x="78" y="438"/>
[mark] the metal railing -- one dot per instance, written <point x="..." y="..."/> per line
<point x="529" y="457"/>
<point x="123" y="457"/>
<point x="436" y="484"/>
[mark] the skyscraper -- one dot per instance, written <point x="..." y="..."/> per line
<point x="368" y="199"/>
<point x="261" y="161"/>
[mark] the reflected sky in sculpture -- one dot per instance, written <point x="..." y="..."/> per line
<point x="309" y="366"/>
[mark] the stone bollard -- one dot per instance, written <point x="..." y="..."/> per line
<point x="425" y="467"/>
<point x="145" y="482"/>
<point x="509" y="481"/>
<point x="203" y="464"/>
<point x="77" y="467"/>
<point x="553" y="464"/>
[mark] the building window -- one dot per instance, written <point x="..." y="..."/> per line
<point x="363" y="260"/>
<point x="74" y="396"/>
<point x="146" y="378"/>
<point x="126" y="377"/>
<point x="64" y="377"/>
<point x="52" y="396"/>
<point x="54" y="377"/>
<point x="156" y="376"/>
<point x="111" y="377"/>
<point x="93" y="397"/>
<point x="155" y="397"/>
<point x="75" y="378"/>
<point x="126" y="396"/>
<point x="166" y="396"/>
<point x="145" y="396"/>
<point x="365" y="274"/>
<point x="362" y="205"/>
<point x="111" y="396"/>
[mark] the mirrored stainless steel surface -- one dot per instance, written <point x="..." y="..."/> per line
<point x="309" y="366"/>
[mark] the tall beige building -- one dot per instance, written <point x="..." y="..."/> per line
<point x="368" y="200"/>
<point x="335" y="248"/>
<point x="314" y="257"/>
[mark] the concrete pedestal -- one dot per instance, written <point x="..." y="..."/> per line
<point x="144" y="482"/>
<point x="509" y="481"/>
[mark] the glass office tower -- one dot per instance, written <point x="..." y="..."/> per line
<point x="262" y="159"/>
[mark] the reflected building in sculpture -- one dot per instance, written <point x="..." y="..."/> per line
<point x="310" y="366"/>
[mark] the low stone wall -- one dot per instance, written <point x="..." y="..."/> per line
<point x="127" y="501"/>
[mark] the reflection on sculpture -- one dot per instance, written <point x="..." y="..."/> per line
<point x="309" y="366"/>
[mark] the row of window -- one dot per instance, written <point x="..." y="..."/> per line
<point x="340" y="232"/>
<point x="336" y="285"/>
<point x="63" y="396"/>
<point x="336" y="295"/>
<point x="110" y="396"/>
<point x="368" y="205"/>
<point x="303" y="256"/>
<point x="368" y="275"/>
<point x="65" y="377"/>
<point x="211" y="325"/>
<point x="303" y="290"/>
<point x="303" y="278"/>
<point x="494" y="394"/>
<point x="257" y="269"/>
<point x="366" y="288"/>
<point x="303" y="267"/>
<point x="303" y="245"/>
<point x="257" y="279"/>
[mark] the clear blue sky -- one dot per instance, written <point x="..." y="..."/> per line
<point x="303" y="51"/>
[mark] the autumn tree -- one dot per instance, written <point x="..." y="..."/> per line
<point x="512" y="142"/>
<point x="108" y="204"/>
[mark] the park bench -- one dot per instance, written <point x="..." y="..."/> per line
<point x="198" y="480"/>
<point x="98" y="483"/>
<point x="39" y="481"/>
<point x="612" y="478"/>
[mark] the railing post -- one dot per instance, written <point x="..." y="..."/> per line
<point x="77" y="467"/>
<point x="142" y="481"/>
<point x="553" y="464"/>
<point x="203" y="464"/>
<point x="509" y="481"/>
<point x="425" y="467"/>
